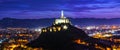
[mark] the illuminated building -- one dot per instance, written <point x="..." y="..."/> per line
<point x="59" y="24"/>
<point x="62" y="20"/>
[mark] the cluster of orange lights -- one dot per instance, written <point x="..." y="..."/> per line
<point x="53" y="29"/>
<point x="30" y="35"/>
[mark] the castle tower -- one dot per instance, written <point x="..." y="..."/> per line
<point x="62" y="14"/>
<point x="62" y="20"/>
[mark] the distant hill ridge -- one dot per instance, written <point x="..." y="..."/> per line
<point x="32" y="23"/>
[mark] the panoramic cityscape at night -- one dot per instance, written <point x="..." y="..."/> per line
<point x="59" y="25"/>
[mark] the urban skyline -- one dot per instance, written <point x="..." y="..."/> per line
<point x="39" y="25"/>
<point x="60" y="35"/>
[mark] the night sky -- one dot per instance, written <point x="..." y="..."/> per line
<point x="35" y="9"/>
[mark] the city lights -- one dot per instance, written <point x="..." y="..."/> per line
<point x="103" y="37"/>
